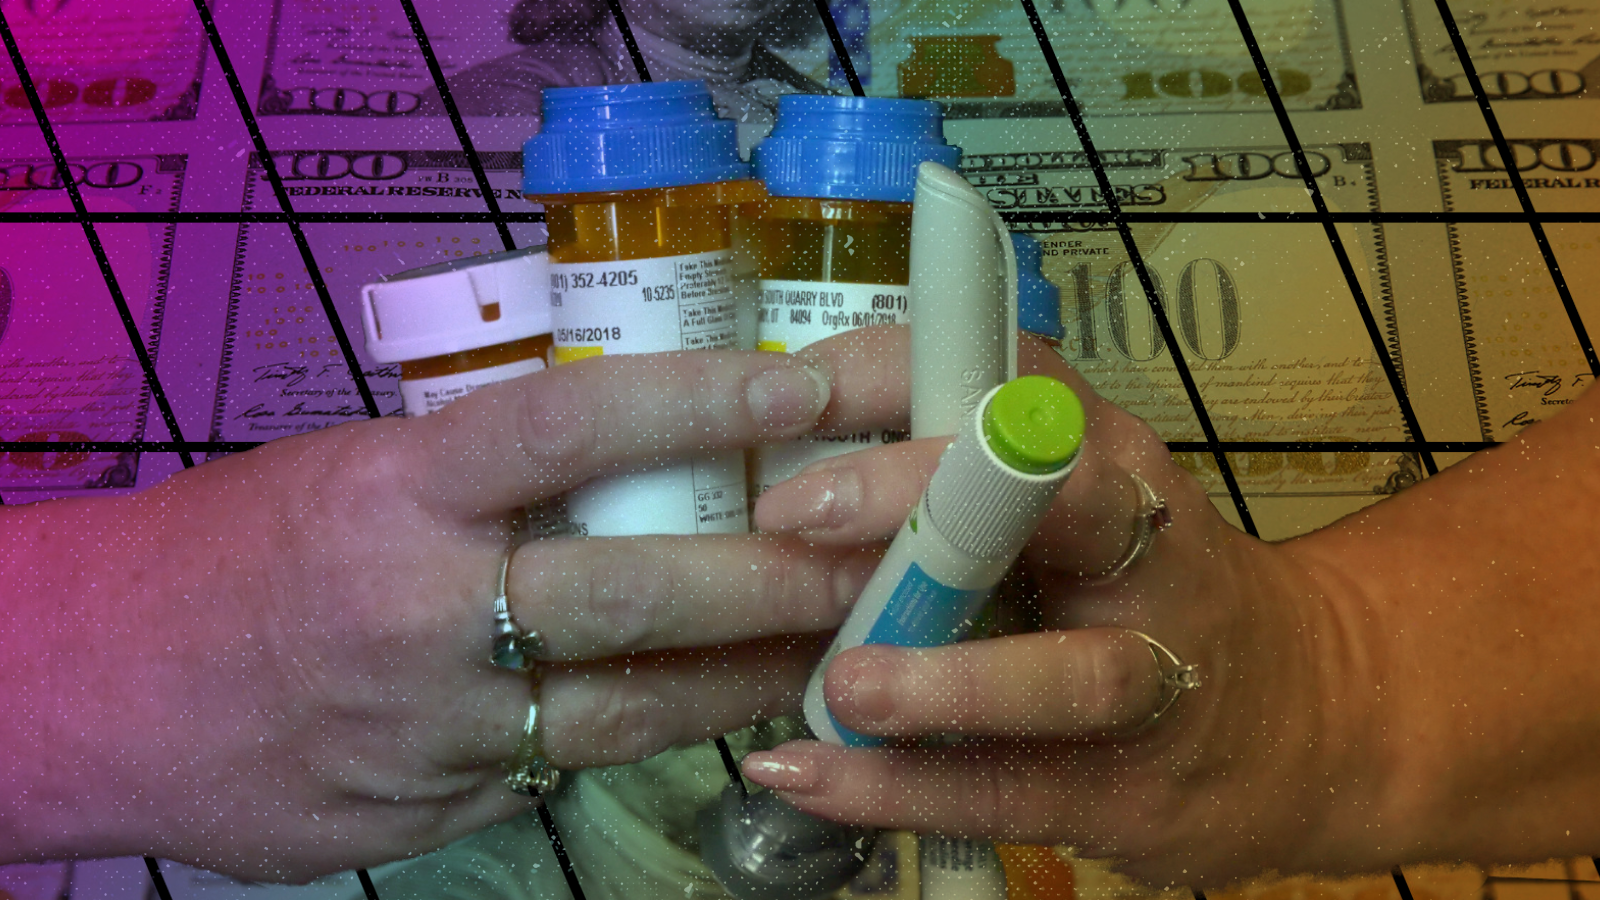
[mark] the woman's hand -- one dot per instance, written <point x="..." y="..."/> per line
<point x="1278" y="753"/>
<point x="277" y="665"/>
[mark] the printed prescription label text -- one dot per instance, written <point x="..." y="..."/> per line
<point x="643" y="305"/>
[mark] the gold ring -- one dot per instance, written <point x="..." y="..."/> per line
<point x="529" y="773"/>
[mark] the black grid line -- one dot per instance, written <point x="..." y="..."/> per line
<point x="1157" y="308"/>
<point x="160" y="883"/>
<point x="1400" y="883"/>
<point x="1379" y="349"/>
<point x="1509" y="161"/>
<point x="840" y="51"/>
<point x="367" y="887"/>
<point x="129" y="323"/>
<point x="255" y="218"/>
<point x="639" y="67"/>
<point x="560" y="850"/>
<point x="448" y="100"/>
<point x="231" y="75"/>
<point x="127" y="446"/>
<point x="1225" y="446"/>
<point x="732" y="765"/>
<point x="1043" y="217"/>
<point x="1375" y="217"/>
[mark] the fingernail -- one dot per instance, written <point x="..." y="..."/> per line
<point x="821" y="498"/>
<point x="782" y="770"/>
<point x="865" y="680"/>
<point x="790" y="395"/>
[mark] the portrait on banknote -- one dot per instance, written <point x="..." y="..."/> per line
<point x="67" y="370"/>
<point x="358" y="59"/>
<point x="982" y="58"/>
<point x="94" y="62"/>
<point x="1522" y="352"/>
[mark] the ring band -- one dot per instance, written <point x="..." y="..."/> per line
<point x="1175" y="680"/>
<point x="529" y="773"/>
<point x="1151" y="517"/>
<point x="514" y="648"/>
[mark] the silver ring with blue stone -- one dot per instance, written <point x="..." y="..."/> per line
<point x="515" y="649"/>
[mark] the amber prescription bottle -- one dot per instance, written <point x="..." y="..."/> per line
<point x="460" y="325"/>
<point x="833" y="239"/>
<point x="639" y="184"/>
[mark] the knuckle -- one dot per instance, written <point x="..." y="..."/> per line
<point x="715" y="406"/>
<point x="345" y="474"/>
<point x="1105" y="689"/>
<point x="628" y="722"/>
<point x="998" y="797"/>
<point x="789" y="591"/>
<point x="963" y="690"/>
<point x="625" y="598"/>
<point x="555" y="426"/>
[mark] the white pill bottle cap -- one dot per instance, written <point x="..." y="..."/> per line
<point x="460" y="305"/>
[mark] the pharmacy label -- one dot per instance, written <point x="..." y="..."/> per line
<point x="643" y="305"/>
<point x="425" y="395"/>
<point x="797" y="313"/>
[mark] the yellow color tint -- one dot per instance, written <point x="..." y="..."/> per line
<point x="774" y="346"/>
<point x="1035" y="873"/>
<point x="481" y="358"/>
<point x="565" y="355"/>
<point x="648" y="223"/>
<point x="809" y="239"/>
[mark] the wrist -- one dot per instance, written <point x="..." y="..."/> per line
<point x="61" y="568"/>
<point x="1369" y="821"/>
<point x="1482" y="691"/>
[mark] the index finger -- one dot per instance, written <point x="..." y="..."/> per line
<point x="533" y="437"/>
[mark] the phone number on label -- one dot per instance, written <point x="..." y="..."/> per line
<point x="572" y="281"/>
<point x="584" y="335"/>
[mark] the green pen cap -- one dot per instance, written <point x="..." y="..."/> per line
<point x="1034" y="424"/>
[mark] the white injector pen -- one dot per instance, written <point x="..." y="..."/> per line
<point x="963" y="299"/>
<point x="992" y="487"/>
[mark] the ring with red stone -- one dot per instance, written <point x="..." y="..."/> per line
<point x="1151" y="518"/>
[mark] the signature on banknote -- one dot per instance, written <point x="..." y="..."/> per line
<point x="1519" y="338"/>
<point x="1521" y="50"/>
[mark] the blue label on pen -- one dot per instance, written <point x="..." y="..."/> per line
<point x="920" y="613"/>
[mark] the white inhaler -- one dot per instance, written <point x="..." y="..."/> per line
<point x="991" y="489"/>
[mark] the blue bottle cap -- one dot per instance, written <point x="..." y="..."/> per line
<point x="851" y="148"/>
<point x="622" y="137"/>
<point x="1038" y="300"/>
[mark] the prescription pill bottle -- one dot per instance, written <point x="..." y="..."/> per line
<point x="459" y="325"/>
<point x="833" y="239"/>
<point x="639" y="184"/>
